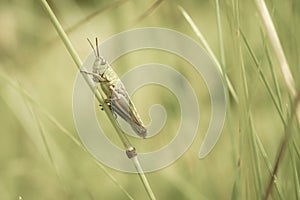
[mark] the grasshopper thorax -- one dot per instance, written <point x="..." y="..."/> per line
<point x="99" y="66"/>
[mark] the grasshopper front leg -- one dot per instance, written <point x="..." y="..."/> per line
<point x="95" y="76"/>
<point x="98" y="79"/>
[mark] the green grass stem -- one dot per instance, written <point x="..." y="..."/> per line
<point x="98" y="95"/>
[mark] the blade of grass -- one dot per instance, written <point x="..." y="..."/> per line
<point x="220" y="36"/>
<point x="295" y="173"/>
<point x="228" y="111"/>
<point x="276" y="46"/>
<point x="256" y="161"/>
<point x="78" y="63"/>
<point x="60" y="127"/>
<point x="109" y="6"/>
<point x="41" y="130"/>
<point x="238" y="179"/>
<point x="72" y="28"/>
<point x="263" y="78"/>
<point x="247" y="127"/>
<point x="245" y="177"/>
<point x="149" y="11"/>
<point x="268" y="164"/>
<point x="277" y="93"/>
<point x="208" y="49"/>
<point x="297" y="151"/>
<point x="100" y="98"/>
<point x="279" y="96"/>
<point x="283" y="145"/>
<point x="275" y="80"/>
<point x="278" y="50"/>
<point x="143" y="177"/>
<point x="267" y="85"/>
<point x="273" y="96"/>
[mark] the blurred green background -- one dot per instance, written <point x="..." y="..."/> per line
<point x="38" y="160"/>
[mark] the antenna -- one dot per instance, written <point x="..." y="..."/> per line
<point x="97" y="47"/>
<point x="93" y="47"/>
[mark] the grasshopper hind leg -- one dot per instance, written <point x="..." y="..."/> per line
<point x="108" y="103"/>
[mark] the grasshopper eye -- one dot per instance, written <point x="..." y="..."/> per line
<point x="103" y="61"/>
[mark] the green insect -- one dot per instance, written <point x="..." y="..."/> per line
<point x="116" y="95"/>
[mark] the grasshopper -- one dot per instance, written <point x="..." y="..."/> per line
<point x="117" y="97"/>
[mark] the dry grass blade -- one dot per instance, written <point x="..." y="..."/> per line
<point x="278" y="50"/>
<point x="283" y="146"/>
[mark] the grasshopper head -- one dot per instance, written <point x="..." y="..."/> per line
<point x="99" y="65"/>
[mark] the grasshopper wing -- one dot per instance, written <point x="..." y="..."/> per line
<point x="122" y="105"/>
